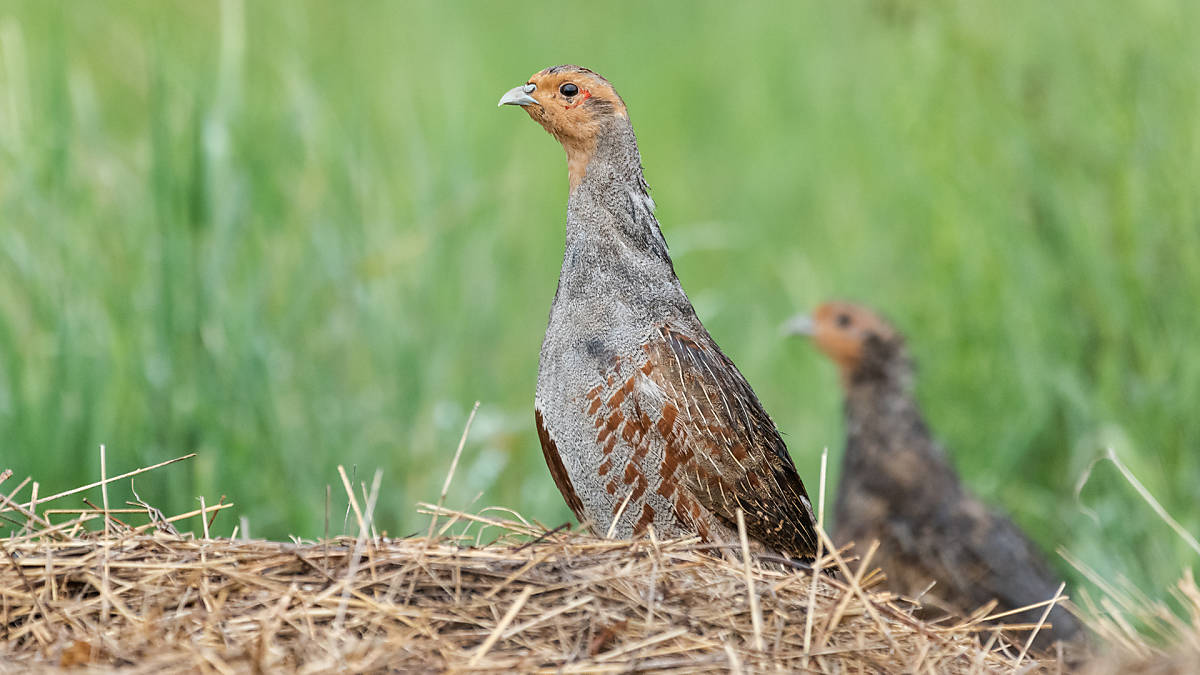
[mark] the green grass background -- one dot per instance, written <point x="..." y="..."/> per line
<point x="293" y="235"/>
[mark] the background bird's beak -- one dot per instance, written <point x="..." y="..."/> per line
<point x="801" y="324"/>
<point x="519" y="96"/>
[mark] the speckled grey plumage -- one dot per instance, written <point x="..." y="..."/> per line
<point x="617" y="284"/>
<point x="643" y="421"/>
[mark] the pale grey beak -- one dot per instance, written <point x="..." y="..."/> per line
<point x="801" y="324"/>
<point x="519" y="96"/>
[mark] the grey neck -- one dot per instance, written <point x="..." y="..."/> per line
<point x="889" y="446"/>
<point x="614" y="247"/>
<point x="884" y="396"/>
<point x="613" y="200"/>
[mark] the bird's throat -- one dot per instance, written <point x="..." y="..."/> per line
<point x="579" y="154"/>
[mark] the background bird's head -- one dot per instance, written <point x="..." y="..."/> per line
<point x="575" y="105"/>
<point x="862" y="344"/>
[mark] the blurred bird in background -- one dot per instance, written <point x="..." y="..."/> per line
<point x="898" y="487"/>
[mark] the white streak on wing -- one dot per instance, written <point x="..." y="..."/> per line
<point x="638" y="198"/>
<point x="649" y="391"/>
<point x="703" y="389"/>
<point x="682" y="387"/>
<point x="728" y="441"/>
<point x="724" y="398"/>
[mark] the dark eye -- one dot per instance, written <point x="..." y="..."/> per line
<point x="843" y="320"/>
<point x="568" y="90"/>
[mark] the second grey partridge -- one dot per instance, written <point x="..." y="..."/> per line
<point x="898" y="487"/>
<point x="642" y="419"/>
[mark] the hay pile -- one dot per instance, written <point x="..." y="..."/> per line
<point x="97" y="592"/>
<point x="1168" y="642"/>
<point x="160" y="602"/>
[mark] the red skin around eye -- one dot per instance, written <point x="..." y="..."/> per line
<point x="587" y="93"/>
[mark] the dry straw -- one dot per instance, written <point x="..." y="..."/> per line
<point x="145" y="598"/>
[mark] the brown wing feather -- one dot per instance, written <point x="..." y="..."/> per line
<point x="726" y="451"/>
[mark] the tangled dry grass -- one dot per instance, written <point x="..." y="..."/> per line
<point x="98" y="593"/>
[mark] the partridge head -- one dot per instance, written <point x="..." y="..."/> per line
<point x="575" y="105"/>
<point x="862" y="344"/>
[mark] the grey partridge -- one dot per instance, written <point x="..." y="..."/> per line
<point x="642" y="419"/>
<point x="898" y="487"/>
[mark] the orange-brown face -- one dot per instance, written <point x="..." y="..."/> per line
<point x="573" y="104"/>
<point x="569" y="101"/>
<point x="842" y="330"/>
